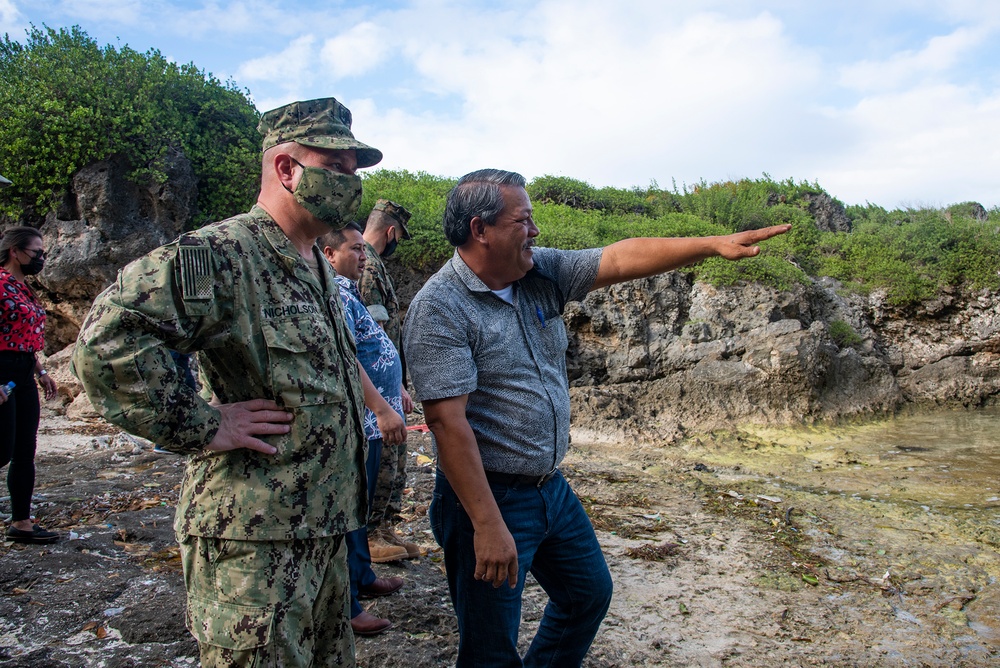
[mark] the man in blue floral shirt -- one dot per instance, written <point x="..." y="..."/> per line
<point x="345" y="249"/>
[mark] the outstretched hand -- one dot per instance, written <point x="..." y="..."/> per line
<point x="243" y="421"/>
<point x="743" y="244"/>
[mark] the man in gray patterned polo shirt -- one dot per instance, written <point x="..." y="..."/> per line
<point x="486" y="347"/>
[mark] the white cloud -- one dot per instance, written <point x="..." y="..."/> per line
<point x="581" y="94"/>
<point x="589" y="91"/>
<point x="939" y="56"/>
<point x="355" y="51"/>
<point x="289" y="70"/>
<point x="127" y="12"/>
<point x="930" y="145"/>
<point x="234" y="18"/>
<point x="11" y="22"/>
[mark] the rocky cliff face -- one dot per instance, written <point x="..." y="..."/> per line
<point x="657" y="358"/>
<point x="105" y="222"/>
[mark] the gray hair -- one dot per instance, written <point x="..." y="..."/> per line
<point x="476" y="194"/>
<point x="336" y="238"/>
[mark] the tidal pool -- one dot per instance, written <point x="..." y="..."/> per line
<point x="942" y="460"/>
<point x="910" y="505"/>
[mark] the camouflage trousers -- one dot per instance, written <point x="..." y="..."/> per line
<point x="268" y="603"/>
<point x="388" y="502"/>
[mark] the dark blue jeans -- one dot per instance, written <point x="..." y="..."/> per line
<point x="359" y="558"/>
<point x="556" y="543"/>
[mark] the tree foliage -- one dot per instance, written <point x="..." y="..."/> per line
<point x="67" y="102"/>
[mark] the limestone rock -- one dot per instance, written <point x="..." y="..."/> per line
<point x="829" y="214"/>
<point x="106" y="222"/>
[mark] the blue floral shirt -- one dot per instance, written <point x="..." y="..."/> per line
<point x="378" y="357"/>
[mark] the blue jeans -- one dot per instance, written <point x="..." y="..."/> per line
<point x="556" y="543"/>
<point x="359" y="558"/>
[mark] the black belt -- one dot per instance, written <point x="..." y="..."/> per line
<point x="518" y="480"/>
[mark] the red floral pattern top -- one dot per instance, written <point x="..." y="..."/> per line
<point x="22" y="317"/>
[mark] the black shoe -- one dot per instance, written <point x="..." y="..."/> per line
<point x="37" y="535"/>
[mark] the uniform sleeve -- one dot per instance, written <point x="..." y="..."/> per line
<point x="122" y="355"/>
<point x="438" y="351"/>
<point x="371" y="287"/>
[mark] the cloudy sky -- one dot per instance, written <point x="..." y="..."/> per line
<point x="891" y="102"/>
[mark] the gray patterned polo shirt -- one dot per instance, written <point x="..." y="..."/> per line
<point x="510" y="359"/>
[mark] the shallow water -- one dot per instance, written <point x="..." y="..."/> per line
<point x="943" y="460"/>
<point x="955" y="455"/>
<point x="909" y="507"/>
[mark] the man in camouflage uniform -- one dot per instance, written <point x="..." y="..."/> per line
<point x="385" y="228"/>
<point x="276" y="473"/>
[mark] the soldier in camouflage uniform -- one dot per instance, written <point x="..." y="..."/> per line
<point x="386" y="226"/>
<point x="276" y="470"/>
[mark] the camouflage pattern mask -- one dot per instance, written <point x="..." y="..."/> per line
<point x="332" y="197"/>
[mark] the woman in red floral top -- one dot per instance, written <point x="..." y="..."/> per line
<point x="22" y="334"/>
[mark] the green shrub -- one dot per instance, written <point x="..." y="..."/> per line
<point x="843" y="334"/>
<point x="745" y="204"/>
<point x="578" y="194"/>
<point x="424" y="196"/>
<point x="67" y="103"/>
<point x="912" y="254"/>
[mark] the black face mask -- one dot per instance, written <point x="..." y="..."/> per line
<point x="389" y="249"/>
<point x="36" y="264"/>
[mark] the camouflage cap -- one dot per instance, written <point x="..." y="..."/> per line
<point x="397" y="212"/>
<point x="4" y="182"/>
<point x="324" y="123"/>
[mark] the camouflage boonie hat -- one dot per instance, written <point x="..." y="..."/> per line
<point x="323" y="123"/>
<point x="398" y="213"/>
<point x="4" y="182"/>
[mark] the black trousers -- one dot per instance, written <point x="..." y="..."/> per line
<point x="19" y="429"/>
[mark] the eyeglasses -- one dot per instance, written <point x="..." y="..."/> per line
<point x="39" y="252"/>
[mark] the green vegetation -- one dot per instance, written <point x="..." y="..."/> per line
<point x="911" y="254"/>
<point x="423" y="196"/>
<point x="66" y="103"/>
<point x="843" y="334"/>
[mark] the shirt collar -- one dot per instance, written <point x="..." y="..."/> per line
<point x="275" y="236"/>
<point x="472" y="282"/>
<point x="345" y="282"/>
<point x="282" y="245"/>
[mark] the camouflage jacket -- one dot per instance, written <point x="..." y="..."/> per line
<point x="264" y="326"/>
<point x="375" y="287"/>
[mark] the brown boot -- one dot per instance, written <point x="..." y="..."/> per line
<point x="391" y="537"/>
<point x="382" y="551"/>
<point x="367" y="624"/>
